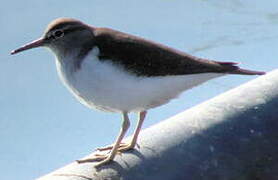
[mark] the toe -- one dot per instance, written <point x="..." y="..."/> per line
<point x="126" y="147"/>
<point x="103" y="162"/>
<point x="110" y="147"/>
<point x="96" y="157"/>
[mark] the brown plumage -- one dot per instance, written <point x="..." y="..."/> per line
<point x="100" y="66"/>
<point x="143" y="57"/>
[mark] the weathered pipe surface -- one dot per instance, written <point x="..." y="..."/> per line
<point x="233" y="136"/>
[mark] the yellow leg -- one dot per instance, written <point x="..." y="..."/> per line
<point x="108" y="157"/>
<point x="131" y="145"/>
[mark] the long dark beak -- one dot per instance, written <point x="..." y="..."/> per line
<point x="37" y="43"/>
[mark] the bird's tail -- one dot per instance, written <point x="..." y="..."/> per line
<point x="237" y="70"/>
<point x="247" y="72"/>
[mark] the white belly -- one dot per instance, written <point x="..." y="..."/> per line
<point x="104" y="86"/>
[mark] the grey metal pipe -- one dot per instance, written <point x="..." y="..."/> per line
<point x="233" y="136"/>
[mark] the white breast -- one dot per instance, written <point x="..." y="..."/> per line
<point x="105" y="86"/>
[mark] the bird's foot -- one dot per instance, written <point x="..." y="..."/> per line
<point x="105" y="158"/>
<point x="102" y="158"/>
<point x="122" y="147"/>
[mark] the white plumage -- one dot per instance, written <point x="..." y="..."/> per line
<point x="106" y="86"/>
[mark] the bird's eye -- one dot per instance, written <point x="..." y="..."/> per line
<point x="58" y="33"/>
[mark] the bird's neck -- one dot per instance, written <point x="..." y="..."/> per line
<point x="69" y="61"/>
<point x="72" y="57"/>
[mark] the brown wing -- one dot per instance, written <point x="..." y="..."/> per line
<point x="146" y="58"/>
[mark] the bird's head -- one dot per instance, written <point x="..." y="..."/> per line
<point x="62" y="36"/>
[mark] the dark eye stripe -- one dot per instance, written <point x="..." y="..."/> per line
<point x="58" y="33"/>
<point x="66" y="31"/>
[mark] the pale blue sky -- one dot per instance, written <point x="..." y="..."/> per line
<point x="42" y="127"/>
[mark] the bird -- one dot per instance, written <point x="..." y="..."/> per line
<point x="114" y="71"/>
